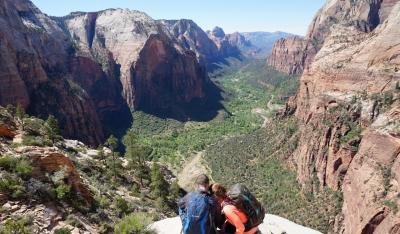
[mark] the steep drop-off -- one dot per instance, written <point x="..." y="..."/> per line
<point x="89" y="69"/>
<point x="34" y="71"/>
<point x="348" y="109"/>
<point x="157" y="73"/>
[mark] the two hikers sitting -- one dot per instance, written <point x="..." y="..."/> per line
<point x="213" y="210"/>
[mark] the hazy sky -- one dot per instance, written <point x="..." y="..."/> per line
<point x="232" y="15"/>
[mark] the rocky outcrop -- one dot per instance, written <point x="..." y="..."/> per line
<point x="364" y="16"/>
<point x="193" y="38"/>
<point x="49" y="160"/>
<point x="224" y="43"/>
<point x="373" y="178"/>
<point x="8" y="128"/>
<point x="287" y="55"/>
<point x="349" y="122"/>
<point x="272" y="224"/>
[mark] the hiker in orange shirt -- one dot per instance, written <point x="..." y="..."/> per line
<point x="235" y="219"/>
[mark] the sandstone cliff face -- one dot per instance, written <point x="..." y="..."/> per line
<point x="34" y="71"/>
<point x="193" y="38"/>
<point x="347" y="105"/>
<point x="287" y="55"/>
<point x="365" y="16"/>
<point x="82" y="68"/>
<point x="155" y="71"/>
<point x="224" y="43"/>
<point x="159" y="85"/>
<point x="211" y="47"/>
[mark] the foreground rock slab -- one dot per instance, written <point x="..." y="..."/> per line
<point x="272" y="225"/>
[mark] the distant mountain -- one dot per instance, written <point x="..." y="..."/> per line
<point x="261" y="43"/>
<point x="211" y="47"/>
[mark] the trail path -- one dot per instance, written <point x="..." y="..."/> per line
<point x="192" y="168"/>
<point x="263" y="113"/>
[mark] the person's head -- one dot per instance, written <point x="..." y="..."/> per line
<point x="203" y="182"/>
<point x="219" y="191"/>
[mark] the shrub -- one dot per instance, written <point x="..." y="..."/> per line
<point x="104" y="202"/>
<point x="392" y="205"/>
<point x="62" y="231"/>
<point x="134" y="223"/>
<point x="62" y="191"/>
<point x="12" y="185"/>
<point x="352" y="134"/>
<point x="36" y="141"/>
<point x="8" y="163"/>
<point x="34" y="127"/>
<point x="122" y="206"/>
<point x="17" y="225"/>
<point x="105" y="228"/>
<point x="71" y="220"/>
<point x="24" y="169"/>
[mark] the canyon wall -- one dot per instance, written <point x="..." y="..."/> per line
<point x="34" y="71"/>
<point x="91" y="69"/>
<point x="365" y="16"/>
<point x="348" y="109"/>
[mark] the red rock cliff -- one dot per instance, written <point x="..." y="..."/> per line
<point x="347" y="106"/>
<point x="287" y="55"/>
<point x="34" y="71"/>
<point x="363" y="15"/>
<point x="154" y="73"/>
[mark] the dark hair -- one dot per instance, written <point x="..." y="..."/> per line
<point x="218" y="190"/>
<point x="202" y="180"/>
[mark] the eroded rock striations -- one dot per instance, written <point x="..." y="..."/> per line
<point x="192" y="37"/>
<point x="348" y="109"/>
<point x="90" y="68"/>
<point x="225" y="43"/>
<point x="287" y="55"/>
<point x="157" y="74"/>
<point x="34" y="71"/>
<point x="365" y="16"/>
<point x="210" y="47"/>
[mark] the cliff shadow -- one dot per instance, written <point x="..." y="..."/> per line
<point x="199" y="109"/>
<point x="217" y="65"/>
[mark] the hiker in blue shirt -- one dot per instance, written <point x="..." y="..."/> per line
<point x="198" y="209"/>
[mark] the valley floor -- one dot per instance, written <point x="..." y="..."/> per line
<point x="245" y="143"/>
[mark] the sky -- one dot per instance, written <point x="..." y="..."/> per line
<point x="292" y="16"/>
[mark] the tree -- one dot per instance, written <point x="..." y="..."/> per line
<point x="159" y="186"/>
<point x="112" y="143"/>
<point x="174" y="190"/>
<point x="136" y="154"/>
<point x="21" y="115"/>
<point x="100" y="151"/>
<point x="53" y="129"/>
